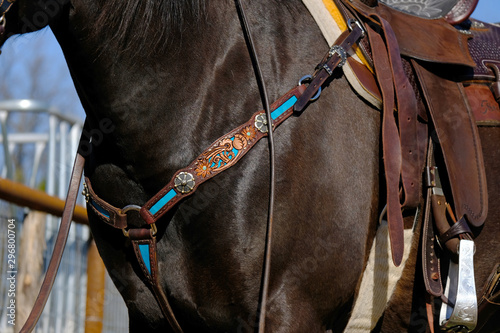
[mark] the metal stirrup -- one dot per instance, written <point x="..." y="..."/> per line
<point x="463" y="316"/>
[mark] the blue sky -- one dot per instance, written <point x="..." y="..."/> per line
<point x="488" y="11"/>
<point x="17" y="51"/>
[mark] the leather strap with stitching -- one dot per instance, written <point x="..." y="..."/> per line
<point x="391" y="145"/>
<point x="60" y="243"/>
<point x="144" y="244"/>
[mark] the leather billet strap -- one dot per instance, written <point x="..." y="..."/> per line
<point x="402" y="133"/>
<point x="391" y="146"/>
<point x="144" y="244"/>
<point x="337" y="56"/>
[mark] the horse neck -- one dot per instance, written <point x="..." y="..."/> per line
<point x="168" y="104"/>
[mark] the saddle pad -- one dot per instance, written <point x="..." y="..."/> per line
<point x="378" y="282"/>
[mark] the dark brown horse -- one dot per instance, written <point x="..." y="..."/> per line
<point x="173" y="76"/>
<point x="160" y="81"/>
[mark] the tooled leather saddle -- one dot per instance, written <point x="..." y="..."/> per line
<point x="437" y="73"/>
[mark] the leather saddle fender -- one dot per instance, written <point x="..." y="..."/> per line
<point x="459" y="140"/>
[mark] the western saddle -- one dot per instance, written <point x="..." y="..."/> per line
<point x="437" y="75"/>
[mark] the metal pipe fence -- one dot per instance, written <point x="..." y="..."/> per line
<point x="49" y="154"/>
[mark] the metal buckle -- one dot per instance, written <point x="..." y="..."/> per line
<point x="341" y="52"/>
<point x="306" y="78"/>
<point x="136" y="208"/>
<point x="351" y="22"/>
<point x="462" y="317"/>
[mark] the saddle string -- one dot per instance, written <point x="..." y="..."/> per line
<point x="265" y="101"/>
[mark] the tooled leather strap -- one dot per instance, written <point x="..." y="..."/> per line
<point x="219" y="156"/>
<point x="60" y="243"/>
<point x="109" y="214"/>
<point x="144" y="244"/>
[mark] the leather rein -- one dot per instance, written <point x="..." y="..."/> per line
<point x="219" y="156"/>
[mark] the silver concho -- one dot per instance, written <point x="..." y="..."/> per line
<point x="184" y="182"/>
<point x="261" y="122"/>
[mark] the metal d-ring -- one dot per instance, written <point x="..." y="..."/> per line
<point x="136" y="208"/>
<point x="309" y="78"/>
<point x="129" y="208"/>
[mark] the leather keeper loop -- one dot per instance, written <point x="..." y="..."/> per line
<point x="140" y="233"/>
<point x="461" y="227"/>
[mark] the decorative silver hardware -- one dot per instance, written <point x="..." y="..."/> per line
<point x="328" y="69"/>
<point x="85" y="193"/>
<point x="463" y="316"/>
<point x="261" y="122"/>
<point x="478" y="25"/>
<point x="184" y="182"/>
<point x="339" y="50"/>
<point x="309" y="78"/>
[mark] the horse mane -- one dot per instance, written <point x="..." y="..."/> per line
<point x="141" y="27"/>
